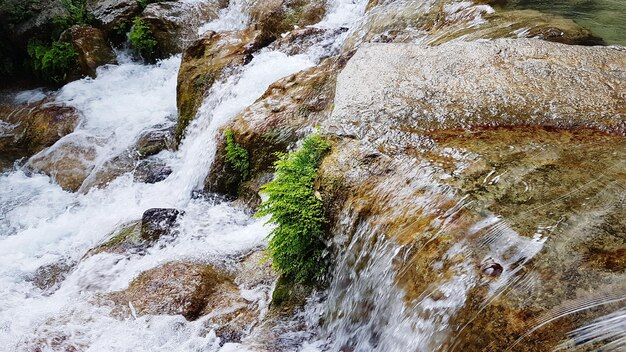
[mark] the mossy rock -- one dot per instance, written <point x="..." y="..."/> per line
<point x="203" y="63"/>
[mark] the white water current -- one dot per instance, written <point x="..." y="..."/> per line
<point x="42" y="224"/>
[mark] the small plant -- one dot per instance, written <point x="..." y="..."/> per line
<point x="297" y="243"/>
<point x="77" y="14"/>
<point x="141" y="39"/>
<point x="236" y="155"/>
<point x="52" y="62"/>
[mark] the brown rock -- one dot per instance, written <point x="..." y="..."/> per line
<point x="28" y="128"/>
<point x="69" y="162"/>
<point x="275" y="17"/>
<point x="203" y="63"/>
<point x="184" y="288"/>
<point x="92" y="47"/>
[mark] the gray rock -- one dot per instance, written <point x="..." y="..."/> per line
<point x="158" y="222"/>
<point x="111" y="13"/>
<point x="488" y="83"/>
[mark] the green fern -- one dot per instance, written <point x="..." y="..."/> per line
<point x="236" y="155"/>
<point x="297" y="243"/>
<point x="142" y="40"/>
<point x="53" y="62"/>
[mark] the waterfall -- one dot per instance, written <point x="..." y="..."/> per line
<point x="44" y="225"/>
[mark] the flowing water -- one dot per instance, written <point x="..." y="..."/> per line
<point x="42" y="225"/>
<point x="605" y="18"/>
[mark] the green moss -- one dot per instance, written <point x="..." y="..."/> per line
<point x="297" y="243"/>
<point x="236" y="156"/>
<point x="52" y="62"/>
<point x="141" y="39"/>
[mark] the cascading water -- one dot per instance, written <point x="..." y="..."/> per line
<point x="365" y="309"/>
<point x="44" y="225"/>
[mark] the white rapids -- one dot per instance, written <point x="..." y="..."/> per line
<point x="41" y="224"/>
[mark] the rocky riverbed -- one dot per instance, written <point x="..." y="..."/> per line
<point x="473" y="195"/>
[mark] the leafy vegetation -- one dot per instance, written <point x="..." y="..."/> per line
<point x="236" y="155"/>
<point x="52" y="62"/>
<point x="141" y="39"/>
<point x="78" y="14"/>
<point x="297" y="243"/>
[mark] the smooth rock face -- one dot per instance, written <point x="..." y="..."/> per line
<point x="92" y="47"/>
<point x="488" y="83"/>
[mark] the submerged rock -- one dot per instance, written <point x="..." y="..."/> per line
<point x="438" y="22"/>
<point x="203" y="63"/>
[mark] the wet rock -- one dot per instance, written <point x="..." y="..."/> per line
<point x="27" y="128"/>
<point x="151" y="171"/>
<point x="203" y="63"/>
<point x="492" y="202"/>
<point x="136" y="160"/>
<point x="112" y="13"/>
<point x="495" y="83"/>
<point x="39" y="22"/>
<point x="184" y="288"/>
<point x="154" y="141"/>
<point x="125" y="240"/>
<point x="92" y="48"/>
<point x="69" y="162"/>
<point x="49" y="277"/>
<point x="276" y="17"/>
<point x="443" y="21"/>
<point x="298" y="41"/>
<point x="288" y="110"/>
<point x="175" y="25"/>
<point x="157" y="223"/>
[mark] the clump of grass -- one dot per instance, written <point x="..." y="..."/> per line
<point x="237" y="156"/>
<point x="297" y="243"/>
<point x="52" y="62"/>
<point x="142" y="40"/>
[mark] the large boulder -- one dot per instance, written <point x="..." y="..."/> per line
<point x="183" y="288"/>
<point x="471" y="199"/>
<point x="286" y="112"/>
<point x="203" y="63"/>
<point x="70" y="161"/>
<point x="92" y="47"/>
<point x="28" y="127"/>
<point x="275" y="17"/>
<point x="110" y="14"/>
<point x="488" y="83"/>
<point x="175" y="25"/>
